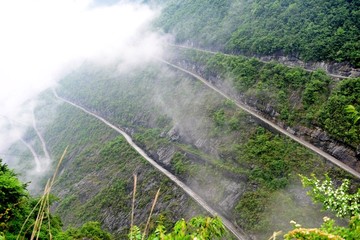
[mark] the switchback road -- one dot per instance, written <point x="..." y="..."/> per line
<point x="234" y="230"/>
<point x="38" y="167"/>
<point x="269" y="123"/>
<point x="43" y="144"/>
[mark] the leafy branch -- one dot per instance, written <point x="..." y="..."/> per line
<point x="354" y="114"/>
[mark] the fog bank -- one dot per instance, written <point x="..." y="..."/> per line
<point x="43" y="40"/>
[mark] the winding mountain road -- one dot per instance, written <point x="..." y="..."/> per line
<point x="38" y="165"/>
<point x="37" y="161"/>
<point x="240" y="234"/>
<point x="271" y="124"/>
<point x="43" y="143"/>
<point x="226" y="54"/>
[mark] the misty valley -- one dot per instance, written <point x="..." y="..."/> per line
<point x="195" y="152"/>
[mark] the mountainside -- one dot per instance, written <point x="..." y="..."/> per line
<point x="216" y="149"/>
<point x="241" y="167"/>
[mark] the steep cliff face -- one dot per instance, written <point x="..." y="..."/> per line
<point x="320" y="138"/>
<point x="339" y="70"/>
<point x="204" y="140"/>
<point x="269" y="107"/>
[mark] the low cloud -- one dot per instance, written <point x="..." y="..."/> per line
<point x="42" y="40"/>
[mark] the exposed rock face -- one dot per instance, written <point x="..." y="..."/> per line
<point x="165" y="154"/>
<point x="173" y="134"/>
<point x="232" y="193"/>
<point x="321" y="139"/>
<point x="341" y="69"/>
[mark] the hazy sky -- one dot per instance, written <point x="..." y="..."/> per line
<point x="42" y="39"/>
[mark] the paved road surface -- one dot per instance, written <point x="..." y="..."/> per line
<point x="236" y="231"/>
<point x="38" y="167"/>
<point x="273" y="125"/>
<point x="43" y="144"/>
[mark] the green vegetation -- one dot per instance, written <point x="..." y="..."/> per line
<point x="251" y="208"/>
<point x="14" y="204"/>
<point x="150" y="138"/>
<point x="311" y="30"/>
<point x="272" y="160"/>
<point x="201" y="228"/>
<point x="12" y="192"/>
<point x="270" y="168"/>
<point x="178" y="162"/>
<point x="328" y="230"/>
<point x="355" y="115"/>
<point x="199" y="21"/>
<point x="90" y="230"/>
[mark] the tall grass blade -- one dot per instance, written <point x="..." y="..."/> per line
<point x="133" y="202"/>
<point x="44" y="207"/>
<point x="151" y="211"/>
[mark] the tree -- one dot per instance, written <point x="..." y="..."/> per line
<point x="90" y="230"/>
<point x="13" y="198"/>
<point x="339" y="200"/>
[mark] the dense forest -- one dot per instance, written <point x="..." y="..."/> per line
<point x="310" y="30"/>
